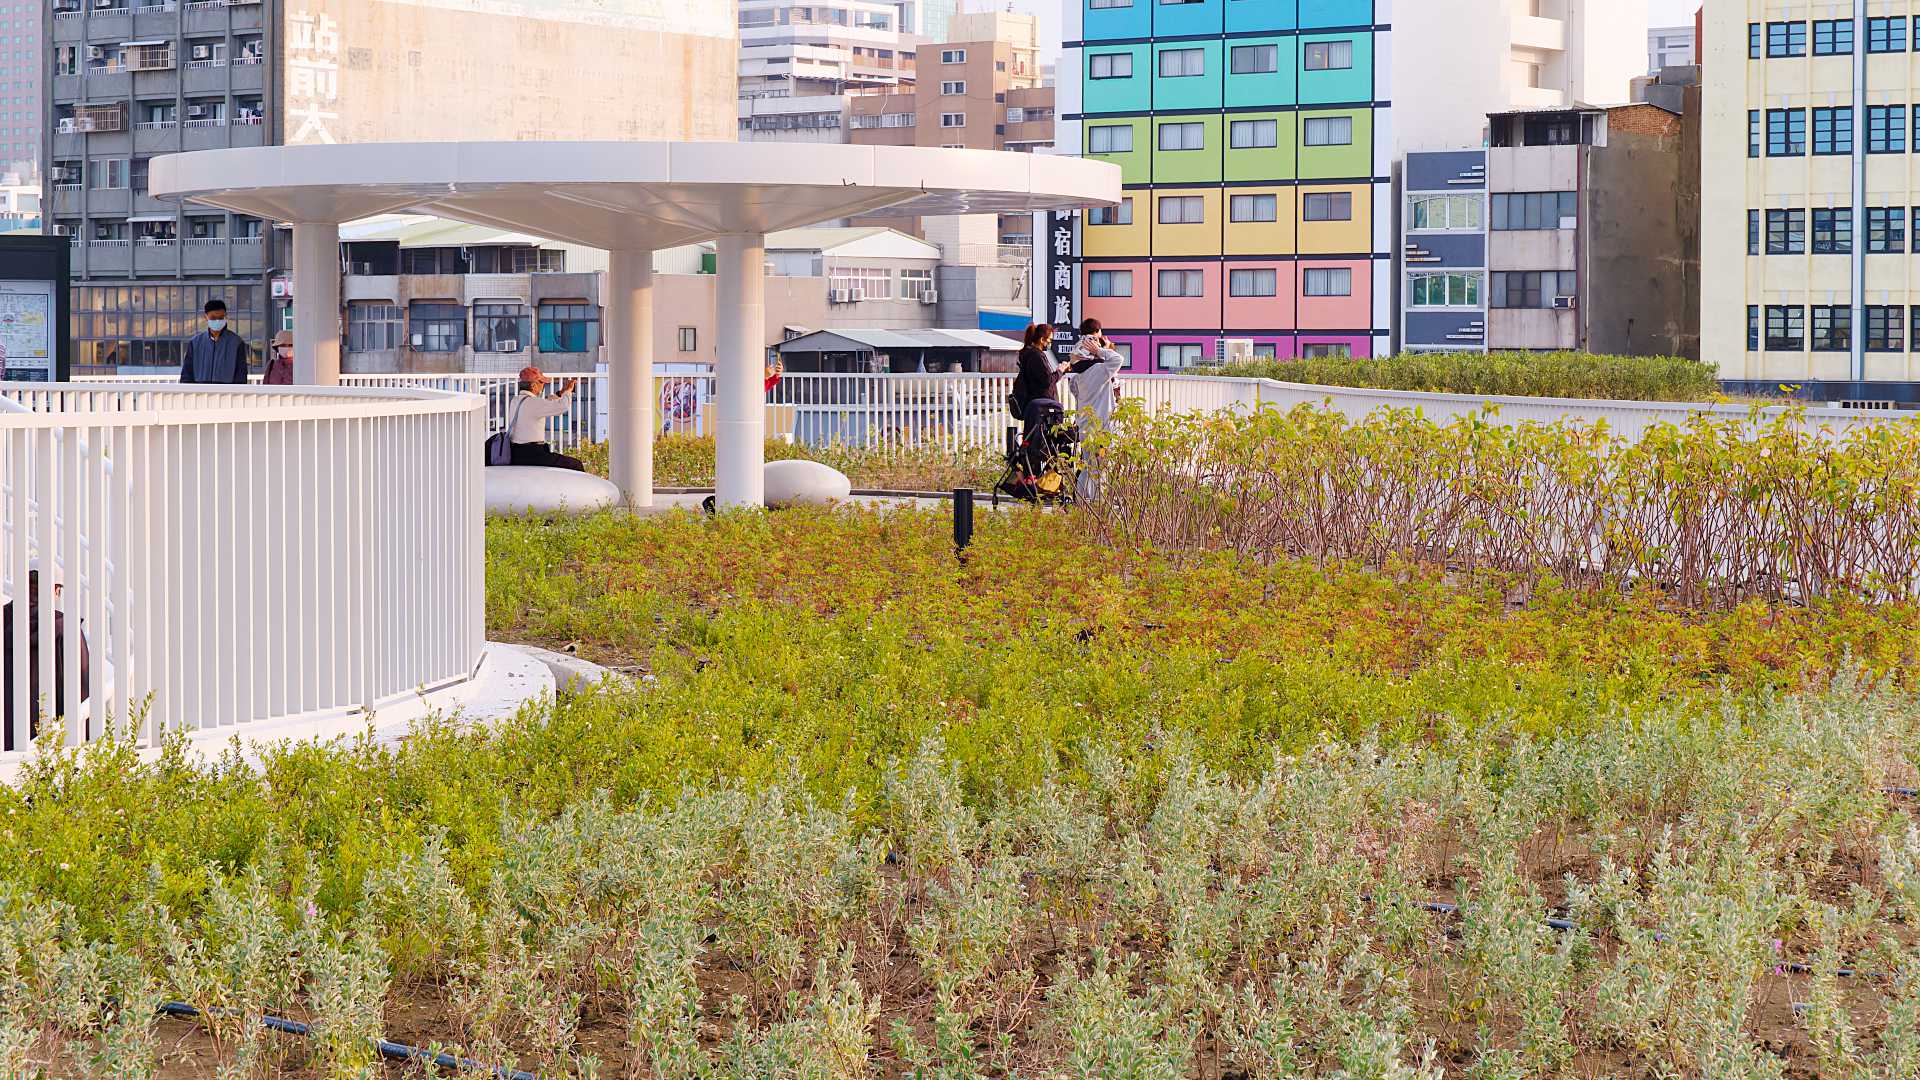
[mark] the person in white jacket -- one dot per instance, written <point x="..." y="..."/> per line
<point x="1095" y="365"/>
<point x="527" y="417"/>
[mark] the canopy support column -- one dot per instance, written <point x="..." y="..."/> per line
<point x="739" y="369"/>
<point x="316" y="303"/>
<point x="630" y="390"/>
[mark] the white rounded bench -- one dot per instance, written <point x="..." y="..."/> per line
<point x="805" y="483"/>
<point x="522" y="489"/>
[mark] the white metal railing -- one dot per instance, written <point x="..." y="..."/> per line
<point x="234" y="556"/>
<point x="965" y="412"/>
<point x="212" y="122"/>
<point x="157" y="125"/>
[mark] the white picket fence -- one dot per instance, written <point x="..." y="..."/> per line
<point x="235" y="555"/>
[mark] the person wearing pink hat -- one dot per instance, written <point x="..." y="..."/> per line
<point x="527" y="420"/>
<point x="280" y="360"/>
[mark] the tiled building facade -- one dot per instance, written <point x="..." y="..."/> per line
<point x="1255" y="144"/>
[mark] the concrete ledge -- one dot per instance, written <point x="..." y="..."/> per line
<point x="507" y="678"/>
<point x="570" y="673"/>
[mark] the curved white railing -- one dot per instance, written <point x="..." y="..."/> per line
<point x="966" y="411"/>
<point x="237" y="555"/>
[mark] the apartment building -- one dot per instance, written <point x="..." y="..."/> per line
<point x="132" y="79"/>
<point x="798" y="63"/>
<point x="1577" y="229"/>
<point x="1809" y="192"/>
<point x="22" y="56"/>
<point x="1258" y="143"/>
<point x="1671" y="46"/>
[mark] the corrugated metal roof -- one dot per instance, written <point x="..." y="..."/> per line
<point x="887" y="340"/>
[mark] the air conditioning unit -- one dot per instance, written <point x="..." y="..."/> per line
<point x="855" y="296"/>
<point x="418" y="340"/>
<point x="96" y="52"/>
<point x="1236" y="350"/>
<point x="203" y="52"/>
<point x="506" y="346"/>
<point x="1563" y="303"/>
<point x="930" y="297"/>
<point x="836" y="296"/>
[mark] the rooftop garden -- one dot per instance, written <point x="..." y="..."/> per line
<point x="1118" y="792"/>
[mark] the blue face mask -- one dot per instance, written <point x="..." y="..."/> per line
<point x="216" y="324"/>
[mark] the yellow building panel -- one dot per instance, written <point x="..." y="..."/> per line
<point x="1347" y="237"/>
<point x="1175" y="234"/>
<point x="1101" y="241"/>
<point x="1265" y="237"/>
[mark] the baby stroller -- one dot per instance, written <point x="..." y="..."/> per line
<point x="1040" y="458"/>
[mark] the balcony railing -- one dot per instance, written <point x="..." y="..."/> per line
<point x="157" y="241"/>
<point x="204" y="241"/>
<point x="110" y="243"/>
<point x="203" y="64"/>
<point x="157" y="125"/>
<point x="206" y="122"/>
<point x="247" y="119"/>
<point x="246" y="60"/>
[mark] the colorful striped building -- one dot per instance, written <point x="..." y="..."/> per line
<point x="1254" y="138"/>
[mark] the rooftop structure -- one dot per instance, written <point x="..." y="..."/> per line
<point x="633" y="199"/>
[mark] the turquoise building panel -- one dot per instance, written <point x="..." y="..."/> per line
<point x="1256" y="89"/>
<point x="1112" y="95"/>
<point x="1253" y="16"/>
<point x="1344" y="85"/>
<point x="1325" y="13"/>
<point x="1202" y="91"/>
<point x="1205" y="17"/>
<point x="1107" y="24"/>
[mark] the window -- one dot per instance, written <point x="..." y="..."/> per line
<point x="1753" y="328"/>
<point x="688" y="339"/>
<point x="1886" y="35"/>
<point x="107" y="174"/>
<point x="1786" y="232"/>
<point x="1886" y="129"/>
<point x="1329" y="131"/>
<point x="1255" y="59"/>
<point x="436" y="327"/>
<point x="953" y="89"/>
<point x="1833" y="130"/>
<point x="1175" y="357"/>
<point x="1833" y="37"/>
<point x="1182" y="63"/>
<point x="1438" y="212"/>
<point x="1111" y="66"/>
<point x="1253" y="134"/>
<point x="1183" y="136"/>
<point x="1755" y="35"/>
<point x="1110" y="139"/>
<point x="1255" y="208"/>
<point x="1786" y="39"/>
<point x="1182" y="283"/>
<point x="1110" y="283"/>
<point x="1786" y="132"/>
<point x="1253" y="283"/>
<point x="500" y="328"/>
<point x="953" y="56"/>
<point x="1112" y="215"/>
<point x="373" y="326"/>
<point x="1182" y="210"/>
<point x="1327" y="206"/>
<point x="1832" y="328"/>
<point x="1753" y="232"/>
<point x="1102" y="4"/>
<point x="1886" y="230"/>
<point x="871" y="282"/>
<point x="916" y="284"/>
<point x="1326" y="350"/>
<point x="569" y="327"/>
<point x="1443" y="289"/>
<point x="1833" y="231"/>
<point x="1524" y="211"/>
<point x="953" y="120"/>
<point x="1327" y="281"/>
<point x="1328" y="56"/>
<point x="1532" y="288"/>
<point x="1786" y="328"/>
<point x="1886" y="329"/>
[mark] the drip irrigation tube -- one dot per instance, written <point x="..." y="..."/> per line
<point x="392" y="1051"/>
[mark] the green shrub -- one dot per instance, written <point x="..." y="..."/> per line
<point x="687" y="461"/>
<point x="1567" y="374"/>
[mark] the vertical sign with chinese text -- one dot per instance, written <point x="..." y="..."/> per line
<point x="1062" y="267"/>
<point x="313" y="77"/>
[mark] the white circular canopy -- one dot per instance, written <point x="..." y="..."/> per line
<point x="628" y="195"/>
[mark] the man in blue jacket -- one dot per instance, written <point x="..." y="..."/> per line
<point x="216" y="354"/>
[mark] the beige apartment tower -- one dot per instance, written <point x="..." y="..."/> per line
<point x="1808" y="198"/>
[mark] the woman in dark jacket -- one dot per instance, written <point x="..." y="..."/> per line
<point x="1039" y="375"/>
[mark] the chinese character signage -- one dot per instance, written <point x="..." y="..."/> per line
<point x="313" y="77"/>
<point x="1061" y="269"/>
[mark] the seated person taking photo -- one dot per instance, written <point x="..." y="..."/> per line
<point x="527" y="420"/>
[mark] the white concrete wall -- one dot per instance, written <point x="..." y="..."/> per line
<point x="1455" y="62"/>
